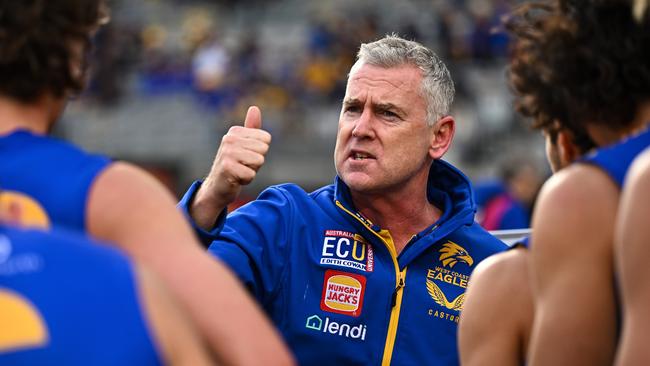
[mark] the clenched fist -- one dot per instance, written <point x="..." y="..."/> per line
<point x="240" y="156"/>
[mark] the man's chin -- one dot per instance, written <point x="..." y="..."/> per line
<point x="360" y="183"/>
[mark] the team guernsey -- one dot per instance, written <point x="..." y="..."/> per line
<point x="64" y="301"/>
<point x="616" y="159"/>
<point x="46" y="181"/>
<point x="333" y="284"/>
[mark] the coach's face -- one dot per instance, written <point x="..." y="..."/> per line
<point x="383" y="140"/>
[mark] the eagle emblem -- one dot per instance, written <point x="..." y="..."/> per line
<point x="440" y="298"/>
<point x="452" y="253"/>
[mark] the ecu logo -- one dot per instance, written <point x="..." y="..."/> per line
<point x="452" y="253"/>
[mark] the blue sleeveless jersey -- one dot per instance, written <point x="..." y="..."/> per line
<point x="616" y="159"/>
<point x="65" y="302"/>
<point x="47" y="180"/>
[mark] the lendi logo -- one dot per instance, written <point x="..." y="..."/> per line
<point x="330" y="326"/>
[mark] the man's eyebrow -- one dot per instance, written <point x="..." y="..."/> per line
<point x="390" y="107"/>
<point x="380" y="106"/>
<point x="351" y="101"/>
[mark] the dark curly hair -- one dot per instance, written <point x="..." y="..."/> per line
<point x="37" y="45"/>
<point x="579" y="61"/>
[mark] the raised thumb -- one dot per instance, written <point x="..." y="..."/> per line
<point x="253" y="118"/>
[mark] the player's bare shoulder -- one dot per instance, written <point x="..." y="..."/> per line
<point x="501" y="279"/>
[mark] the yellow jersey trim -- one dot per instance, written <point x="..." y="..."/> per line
<point x="400" y="277"/>
<point x="22" y="324"/>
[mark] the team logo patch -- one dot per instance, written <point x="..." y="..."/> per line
<point x="452" y="253"/>
<point x="23" y="326"/>
<point x="439" y="297"/>
<point x="343" y="293"/>
<point x="448" y="273"/>
<point x="346" y="249"/>
<point x="22" y="210"/>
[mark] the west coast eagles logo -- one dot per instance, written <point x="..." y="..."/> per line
<point x="440" y="298"/>
<point x="22" y="210"/>
<point x="452" y="253"/>
<point x="449" y="256"/>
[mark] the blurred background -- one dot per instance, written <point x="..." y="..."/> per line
<point x="169" y="78"/>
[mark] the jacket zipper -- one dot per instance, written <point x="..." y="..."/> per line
<point x="396" y="300"/>
<point x="400" y="285"/>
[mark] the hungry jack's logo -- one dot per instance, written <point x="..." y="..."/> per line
<point x="343" y="293"/>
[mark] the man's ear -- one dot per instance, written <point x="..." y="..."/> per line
<point x="443" y="133"/>
<point x="567" y="149"/>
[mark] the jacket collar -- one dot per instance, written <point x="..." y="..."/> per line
<point x="447" y="188"/>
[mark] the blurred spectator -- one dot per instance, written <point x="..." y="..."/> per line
<point x="210" y="64"/>
<point x="507" y="203"/>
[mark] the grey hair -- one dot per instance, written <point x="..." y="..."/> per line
<point x="392" y="51"/>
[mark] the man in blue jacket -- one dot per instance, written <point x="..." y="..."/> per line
<point x="373" y="268"/>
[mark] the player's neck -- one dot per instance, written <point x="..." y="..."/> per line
<point x="36" y="116"/>
<point x="642" y="118"/>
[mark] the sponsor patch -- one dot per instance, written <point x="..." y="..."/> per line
<point x="346" y="249"/>
<point x="343" y="293"/>
<point x="340" y="329"/>
<point x="451" y="254"/>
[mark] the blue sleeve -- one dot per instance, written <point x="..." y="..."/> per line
<point x="206" y="237"/>
<point x="253" y="242"/>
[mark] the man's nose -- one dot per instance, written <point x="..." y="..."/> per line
<point x="364" y="125"/>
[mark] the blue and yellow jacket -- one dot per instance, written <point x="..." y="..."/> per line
<point x="333" y="284"/>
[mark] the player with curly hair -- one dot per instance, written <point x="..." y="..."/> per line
<point x="585" y="64"/>
<point x="581" y="68"/>
<point x="47" y="182"/>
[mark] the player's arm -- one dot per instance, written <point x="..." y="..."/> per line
<point x="497" y="314"/>
<point x="174" y="334"/>
<point x="129" y="207"/>
<point x="632" y="247"/>
<point x="571" y="268"/>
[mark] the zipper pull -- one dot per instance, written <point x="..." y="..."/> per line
<point x="400" y="286"/>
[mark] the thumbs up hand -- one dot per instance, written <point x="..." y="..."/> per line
<point x="240" y="156"/>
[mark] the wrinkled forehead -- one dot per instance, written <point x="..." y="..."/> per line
<point x="402" y="82"/>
